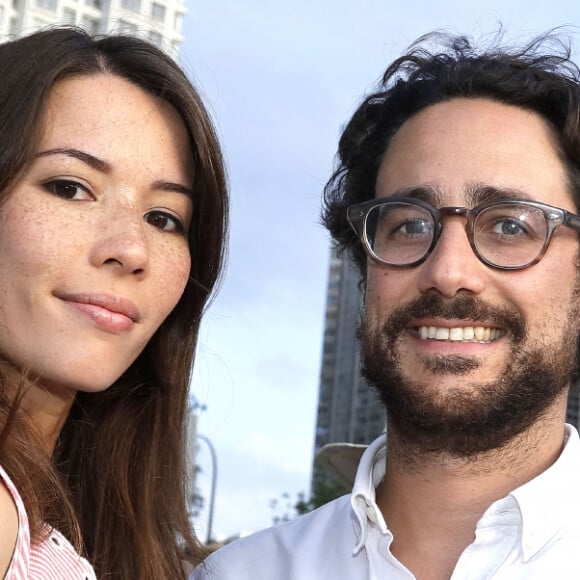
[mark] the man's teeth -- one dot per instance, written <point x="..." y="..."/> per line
<point x="460" y="333"/>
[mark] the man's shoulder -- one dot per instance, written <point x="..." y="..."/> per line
<point x="286" y="550"/>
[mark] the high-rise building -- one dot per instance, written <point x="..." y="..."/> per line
<point x="573" y="411"/>
<point x="348" y="410"/>
<point x="156" y="20"/>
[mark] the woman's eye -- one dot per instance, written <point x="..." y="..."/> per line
<point x="67" y="189"/>
<point x="164" y="221"/>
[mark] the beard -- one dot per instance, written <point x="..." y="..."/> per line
<point x="479" y="417"/>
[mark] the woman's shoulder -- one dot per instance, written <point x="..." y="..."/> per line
<point x="56" y="554"/>
<point x="14" y="532"/>
<point x="51" y="556"/>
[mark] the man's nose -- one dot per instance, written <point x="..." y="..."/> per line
<point x="452" y="266"/>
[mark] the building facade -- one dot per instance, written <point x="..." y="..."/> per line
<point x="348" y="410"/>
<point x="159" y="21"/>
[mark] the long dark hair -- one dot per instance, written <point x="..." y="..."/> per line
<point x="116" y="480"/>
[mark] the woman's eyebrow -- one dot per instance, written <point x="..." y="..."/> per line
<point x="172" y="187"/>
<point x="104" y="167"/>
<point x="83" y="156"/>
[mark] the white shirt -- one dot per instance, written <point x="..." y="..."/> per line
<point x="531" y="534"/>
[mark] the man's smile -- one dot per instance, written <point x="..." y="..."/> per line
<point x="482" y="334"/>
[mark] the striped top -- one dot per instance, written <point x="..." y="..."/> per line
<point x="53" y="558"/>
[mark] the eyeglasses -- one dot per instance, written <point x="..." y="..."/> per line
<point x="508" y="234"/>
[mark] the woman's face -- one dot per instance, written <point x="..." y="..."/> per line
<point x="93" y="240"/>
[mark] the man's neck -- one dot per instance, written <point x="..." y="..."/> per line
<point x="432" y="502"/>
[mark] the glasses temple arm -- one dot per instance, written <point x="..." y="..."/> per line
<point x="572" y="220"/>
<point x="355" y="218"/>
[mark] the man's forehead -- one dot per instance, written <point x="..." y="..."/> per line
<point x="470" y="151"/>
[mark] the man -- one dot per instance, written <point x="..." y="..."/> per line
<point x="457" y="194"/>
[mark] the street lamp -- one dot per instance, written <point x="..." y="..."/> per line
<point x="213" y="485"/>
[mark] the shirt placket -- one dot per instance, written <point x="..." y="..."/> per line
<point x="497" y="534"/>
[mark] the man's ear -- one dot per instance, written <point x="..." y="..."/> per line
<point x="362" y="286"/>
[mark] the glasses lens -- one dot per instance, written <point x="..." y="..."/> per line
<point x="399" y="233"/>
<point x="510" y="235"/>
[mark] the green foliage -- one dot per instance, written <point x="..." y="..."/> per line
<point x="324" y="491"/>
<point x="286" y="508"/>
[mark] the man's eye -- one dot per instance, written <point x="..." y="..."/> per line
<point x="164" y="221"/>
<point x="67" y="189"/>
<point x="415" y="227"/>
<point x="509" y="227"/>
<point x="410" y="228"/>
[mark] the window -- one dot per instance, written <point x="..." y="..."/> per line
<point x="47" y="4"/>
<point x="132" y="5"/>
<point x="178" y="21"/>
<point x="158" y="12"/>
<point x="90" y="25"/>
<point x="127" y="27"/>
<point x="156" y="38"/>
<point x="69" y="16"/>
<point x="14" y="26"/>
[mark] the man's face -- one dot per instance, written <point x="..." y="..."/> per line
<point x="447" y="393"/>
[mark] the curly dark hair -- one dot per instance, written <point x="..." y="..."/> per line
<point x="539" y="77"/>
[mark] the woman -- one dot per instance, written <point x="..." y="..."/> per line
<point x="112" y="225"/>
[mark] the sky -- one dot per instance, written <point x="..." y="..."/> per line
<point x="280" y="80"/>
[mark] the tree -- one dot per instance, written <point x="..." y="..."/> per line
<point x="286" y="509"/>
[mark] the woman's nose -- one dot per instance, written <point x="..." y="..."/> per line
<point x="122" y="242"/>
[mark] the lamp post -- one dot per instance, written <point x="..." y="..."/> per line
<point x="213" y="485"/>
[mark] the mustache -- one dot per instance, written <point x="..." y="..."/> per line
<point x="463" y="306"/>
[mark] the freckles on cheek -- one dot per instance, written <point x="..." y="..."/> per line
<point x="21" y="248"/>
<point x="174" y="275"/>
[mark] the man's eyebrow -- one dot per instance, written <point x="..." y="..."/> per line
<point x="479" y="193"/>
<point x="475" y="194"/>
<point x="427" y="193"/>
<point x="83" y="156"/>
<point x="172" y="187"/>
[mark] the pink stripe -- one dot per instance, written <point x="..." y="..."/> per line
<point x="53" y="558"/>
<point x="55" y="554"/>
<point x="18" y="568"/>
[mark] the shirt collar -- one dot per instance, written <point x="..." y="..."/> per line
<point x="545" y="502"/>
<point x="370" y="472"/>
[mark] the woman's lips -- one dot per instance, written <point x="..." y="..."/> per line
<point x="109" y="313"/>
<point x="105" y="319"/>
